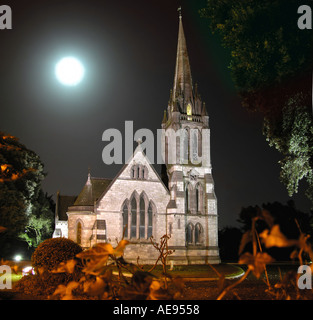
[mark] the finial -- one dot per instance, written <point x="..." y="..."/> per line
<point x="170" y="101"/>
<point x="179" y="11"/>
<point x="204" y="112"/>
<point x="89" y="177"/>
<point x="139" y="141"/>
<point x="164" y="117"/>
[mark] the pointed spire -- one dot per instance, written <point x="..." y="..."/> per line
<point x="171" y="97"/>
<point x="196" y="91"/>
<point x="89" y="191"/>
<point x="56" y="218"/>
<point x="164" y="118"/>
<point x="88" y="183"/>
<point x="182" y="79"/>
<point x="204" y="112"/>
<point x="139" y="142"/>
<point x="175" y="107"/>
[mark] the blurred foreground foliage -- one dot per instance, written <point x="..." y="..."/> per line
<point x="89" y="275"/>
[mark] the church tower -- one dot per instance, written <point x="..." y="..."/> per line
<point x="192" y="220"/>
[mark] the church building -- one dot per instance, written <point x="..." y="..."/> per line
<point x="137" y="204"/>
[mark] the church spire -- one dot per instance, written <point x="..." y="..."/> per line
<point x="182" y="89"/>
<point x="88" y="189"/>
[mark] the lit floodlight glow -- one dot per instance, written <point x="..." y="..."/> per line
<point x="69" y="71"/>
<point x="18" y="257"/>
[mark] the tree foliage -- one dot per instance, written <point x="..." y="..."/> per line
<point x="271" y="65"/>
<point x="39" y="225"/>
<point x="292" y="135"/>
<point x="25" y="210"/>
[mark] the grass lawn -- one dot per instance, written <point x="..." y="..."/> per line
<point x="16" y="277"/>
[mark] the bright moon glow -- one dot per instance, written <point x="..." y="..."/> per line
<point x="18" y="258"/>
<point x="69" y="71"/>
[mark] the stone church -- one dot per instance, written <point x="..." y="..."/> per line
<point x="138" y="204"/>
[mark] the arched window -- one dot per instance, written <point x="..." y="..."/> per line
<point x="189" y="110"/>
<point x="194" y="146"/>
<point x="144" y="170"/>
<point x="189" y="234"/>
<point x="138" y="172"/>
<point x="125" y="221"/>
<point x="79" y="233"/>
<point x="199" y="198"/>
<point x="198" y="234"/>
<point x="199" y="143"/>
<point x="166" y="154"/>
<point x="133" y="172"/>
<point x="142" y="218"/>
<point x="133" y="230"/>
<point x="137" y="216"/>
<point x="184" y="146"/>
<point x="187" y="198"/>
<point x="150" y="220"/>
<point x="170" y="228"/>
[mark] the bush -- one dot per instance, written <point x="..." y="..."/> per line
<point x="48" y="255"/>
<point x="51" y="252"/>
<point x="32" y="285"/>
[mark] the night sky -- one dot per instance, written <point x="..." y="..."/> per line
<point x="128" y="49"/>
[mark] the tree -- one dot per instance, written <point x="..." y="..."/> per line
<point x="39" y="225"/>
<point x="24" y="209"/>
<point x="12" y="207"/>
<point x="271" y="66"/>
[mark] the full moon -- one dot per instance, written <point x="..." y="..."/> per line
<point x="69" y="71"/>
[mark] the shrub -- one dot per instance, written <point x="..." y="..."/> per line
<point x="51" y="252"/>
<point x="32" y="285"/>
<point x="47" y="257"/>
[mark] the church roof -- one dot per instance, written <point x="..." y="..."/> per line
<point x="62" y="204"/>
<point x="92" y="190"/>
